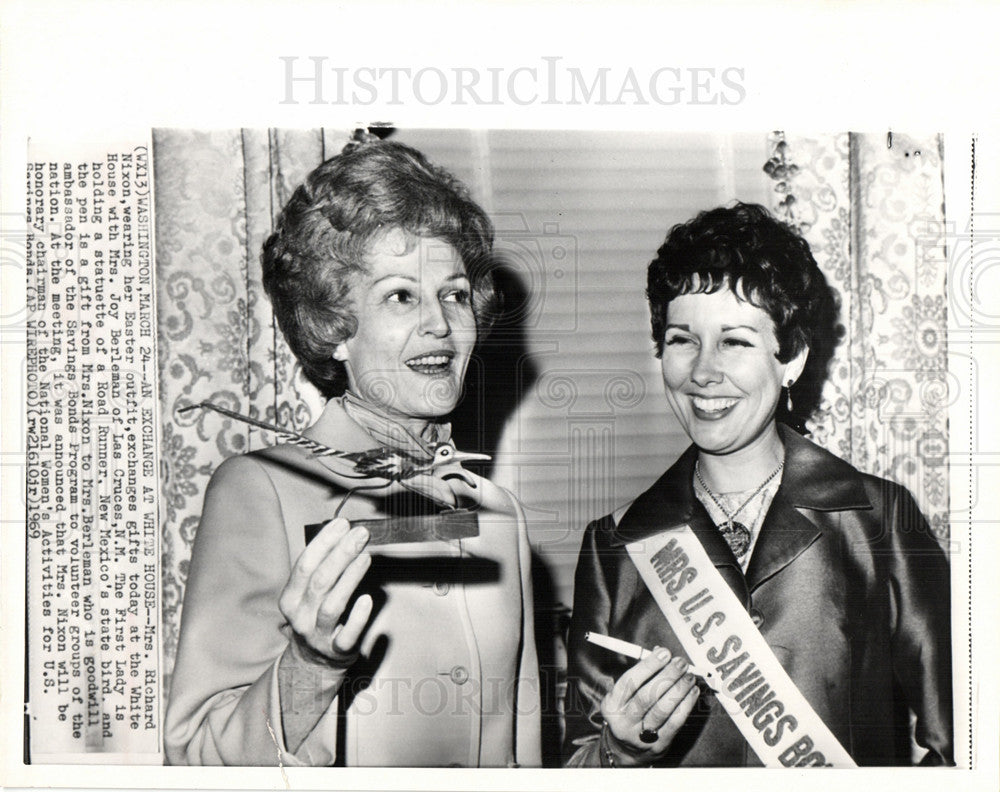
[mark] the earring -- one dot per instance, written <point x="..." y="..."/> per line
<point x="788" y="395"/>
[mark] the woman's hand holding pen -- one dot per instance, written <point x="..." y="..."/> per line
<point x="321" y="585"/>
<point x="647" y="706"/>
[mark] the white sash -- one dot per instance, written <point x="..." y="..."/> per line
<point x="723" y="643"/>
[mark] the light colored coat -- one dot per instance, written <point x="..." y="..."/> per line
<point x="448" y="674"/>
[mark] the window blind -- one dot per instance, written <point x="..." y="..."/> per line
<point x="567" y="394"/>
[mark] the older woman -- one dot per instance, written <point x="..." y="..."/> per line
<point x="333" y="651"/>
<point x="837" y="570"/>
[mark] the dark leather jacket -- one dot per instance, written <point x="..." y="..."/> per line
<point x="846" y="583"/>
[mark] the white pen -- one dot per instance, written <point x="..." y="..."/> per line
<point x="618" y="645"/>
<point x="635" y="651"/>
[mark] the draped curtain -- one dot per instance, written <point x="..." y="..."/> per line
<point x="872" y="214"/>
<point x="872" y="208"/>
<point x="216" y="194"/>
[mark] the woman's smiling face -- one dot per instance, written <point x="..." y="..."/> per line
<point x="723" y="379"/>
<point x="416" y="328"/>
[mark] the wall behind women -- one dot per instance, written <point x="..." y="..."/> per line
<point x="566" y="392"/>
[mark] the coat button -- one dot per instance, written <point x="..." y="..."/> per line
<point x="459" y="675"/>
<point x="441" y="589"/>
<point x="757" y="617"/>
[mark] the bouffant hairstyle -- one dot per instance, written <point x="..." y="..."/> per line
<point x="745" y="249"/>
<point x="329" y="225"/>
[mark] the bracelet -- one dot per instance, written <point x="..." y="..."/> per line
<point x="609" y="757"/>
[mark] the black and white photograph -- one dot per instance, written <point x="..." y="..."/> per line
<point x="393" y="436"/>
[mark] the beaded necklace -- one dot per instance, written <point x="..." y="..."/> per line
<point x="738" y="535"/>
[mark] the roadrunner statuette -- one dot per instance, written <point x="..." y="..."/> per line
<point x="441" y="461"/>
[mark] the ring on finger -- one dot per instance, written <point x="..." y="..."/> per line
<point x="647" y="735"/>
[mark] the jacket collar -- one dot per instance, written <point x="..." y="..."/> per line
<point x="813" y="479"/>
<point x="335" y="428"/>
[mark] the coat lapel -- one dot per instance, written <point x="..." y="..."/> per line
<point x="671" y="503"/>
<point x="784" y="535"/>
<point x="814" y="479"/>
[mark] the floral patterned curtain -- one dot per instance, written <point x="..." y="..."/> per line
<point x="872" y="208"/>
<point x="216" y="194"/>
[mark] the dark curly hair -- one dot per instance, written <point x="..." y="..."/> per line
<point x="329" y="225"/>
<point x="746" y="249"/>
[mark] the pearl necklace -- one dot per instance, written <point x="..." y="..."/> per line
<point x="736" y="534"/>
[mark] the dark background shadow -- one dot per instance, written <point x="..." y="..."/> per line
<point x="551" y="626"/>
<point x="501" y="372"/>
